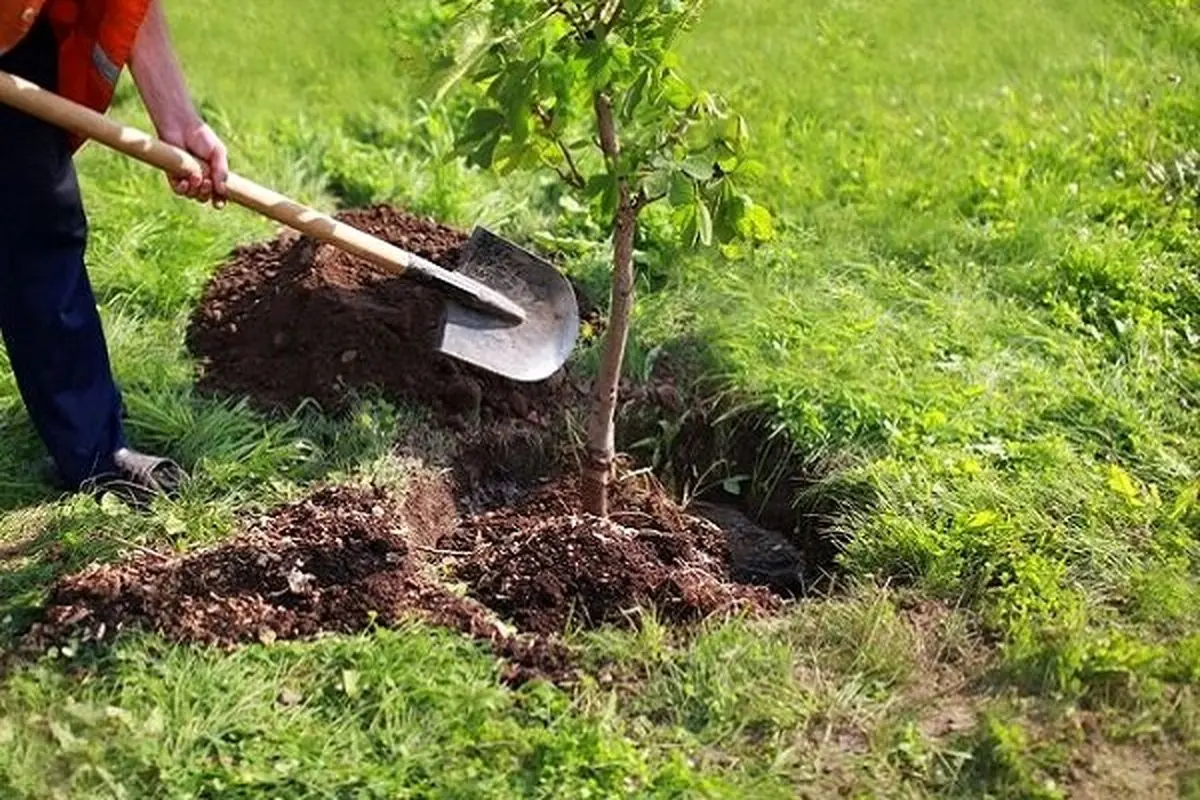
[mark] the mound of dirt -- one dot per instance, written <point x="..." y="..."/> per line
<point x="294" y="319"/>
<point x="543" y="567"/>
<point x="339" y="561"/>
<point x="345" y="559"/>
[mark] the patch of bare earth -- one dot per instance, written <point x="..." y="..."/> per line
<point x="346" y="559"/>
<point x="947" y="688"/>
<point x="545" y="567"/>
<point x="340" y="561"/>
<point x="1100" y="770"/>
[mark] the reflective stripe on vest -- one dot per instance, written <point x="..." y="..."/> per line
<point x="95" y="42"/>
<point x="104" y="64"/>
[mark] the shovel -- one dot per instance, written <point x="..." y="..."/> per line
<point x="508" y="311"/>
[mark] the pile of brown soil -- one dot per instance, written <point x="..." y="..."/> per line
<point x="346" y="559"/>
<point x="294" y="319"/>
<point x="544" y="567"/>
<point x="340" y="561"/>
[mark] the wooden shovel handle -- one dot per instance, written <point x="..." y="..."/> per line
<point x="83" y="121"/>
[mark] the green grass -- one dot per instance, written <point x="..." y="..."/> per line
<point x="982" y="305"/>
<point x="981" y="295"/>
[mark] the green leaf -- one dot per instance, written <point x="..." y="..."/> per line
<point x="682" y="190"/>
<point x="521" y="124"/>
<point x="751" y="169"/>
<point x="756" y="224"/>
<point x="596" y="185"/>
<point x="726" y="165"/>
<point x="701" y="138"/>
<point x="657" y="183"/>
<point x="739" y="217"/>
<point x="676" y="92"/>
<point x="698" y="167"/>
<point x="621" y="53"/>
<point x="1122" y="483"/>
<point x="704" y="223"/>
<point x="511" y="155"/>
<point x="634" y="96"/>
<point x="685" y="218"/>
<point x="634" y="7"/>
<point x="730" y="208"/>
<point x="517" y="99"/>
<point x="601" y="190"/>
<point x="489" y="67"/>
<point x="735" y="132"/>
<point x="608" y="200"/>
<point x="482" y="122"/>
<point x="601" y="62"/>
<point x="483" y="155"/>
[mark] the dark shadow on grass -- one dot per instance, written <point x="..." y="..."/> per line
<point x="22" y="462"/>
<point x="731" y="460"/>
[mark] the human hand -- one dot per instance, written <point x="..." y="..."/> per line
<point x="160" y="82"/>
<point x="202" y="142"/>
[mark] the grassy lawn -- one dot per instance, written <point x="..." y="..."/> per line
<point x="977" y="325"/>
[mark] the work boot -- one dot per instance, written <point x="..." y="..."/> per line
<point x="137" y="478"/>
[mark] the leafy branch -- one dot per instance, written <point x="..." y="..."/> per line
<point x="594" y="91"/>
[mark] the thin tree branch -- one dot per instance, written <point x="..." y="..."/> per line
<point x="607" y="14"/>
<point x="609" y="144"/>
<point x="564" y="10"/>
<point x="574" y="176"/>
<point x="565" y="176"/>
<point x="642" y="200"/>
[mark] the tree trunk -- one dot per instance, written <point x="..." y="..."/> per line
<point x="601" y="437"/>
<point x="601" y="434"/>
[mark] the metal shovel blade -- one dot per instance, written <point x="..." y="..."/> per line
<point x="527" y="351"/>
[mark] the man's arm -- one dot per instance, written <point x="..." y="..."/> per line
<point x="161" y="84"/>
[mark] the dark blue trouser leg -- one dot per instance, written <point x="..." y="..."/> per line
<point x="48" y="316"/>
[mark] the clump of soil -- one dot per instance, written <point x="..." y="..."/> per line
<point x="544" y="567"/>
<point x="339" y="561"/>
<point x="294" y="319"/>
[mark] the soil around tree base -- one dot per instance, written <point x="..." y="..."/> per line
<point x="545" y="567"/>
<point x="292" y="319"/>
<point x="346" y="559"/>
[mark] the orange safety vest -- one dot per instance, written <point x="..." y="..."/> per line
<point x="95" y="40"/>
